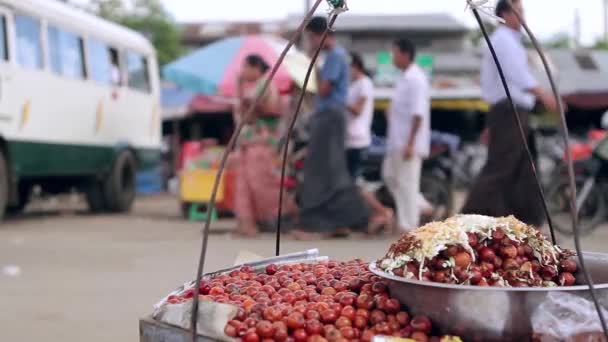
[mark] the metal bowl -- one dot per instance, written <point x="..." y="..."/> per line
<point x="488" y="313"/>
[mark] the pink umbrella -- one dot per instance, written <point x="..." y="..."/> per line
<point x="213" y="70"/>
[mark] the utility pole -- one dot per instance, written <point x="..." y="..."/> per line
<point x="577" y="28"/>
<point x="303" y="41"/>
<point x="606" y="20"/>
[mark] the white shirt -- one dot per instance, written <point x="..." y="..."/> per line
<point x="359" y="127"/>
<point x="411" y="98"/>
<point x="513" y="58"/>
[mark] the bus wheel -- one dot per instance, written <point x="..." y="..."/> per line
<point x="3" y="185"/>
<point x="25" y="193"/>
<point x="95" y="197"/>
<point x="121" y="185"/>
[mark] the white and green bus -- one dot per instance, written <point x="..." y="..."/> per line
<point x="79" y="105"/>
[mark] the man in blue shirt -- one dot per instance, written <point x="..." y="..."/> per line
<point x="330" y="202"/>
<point x="334" y="75"/>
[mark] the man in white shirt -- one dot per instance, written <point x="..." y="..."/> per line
<point x="506" y="186"/>
<point x="360" y="106"/>
<point x="409" y="135"/>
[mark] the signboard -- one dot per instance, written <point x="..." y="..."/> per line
<point x="426" y="62"/>
<point x="386" y="72"/>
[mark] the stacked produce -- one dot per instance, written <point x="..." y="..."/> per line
<point x="482" y="251"/>
<point x="321" y="301"/>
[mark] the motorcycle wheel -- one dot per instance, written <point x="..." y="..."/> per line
<point x="590" y="215"/>
<point x="438" y="192"/>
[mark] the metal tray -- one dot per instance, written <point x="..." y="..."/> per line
<point x="488" y="313"/>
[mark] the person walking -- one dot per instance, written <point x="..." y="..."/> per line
<point x="360" y="113"/>
<point x="506" y="185"/>
<point x="329" y="200"/>
<point x="257" y="182"/>
<point x="409" y="135"/>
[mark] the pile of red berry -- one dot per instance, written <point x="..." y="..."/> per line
<point x="326" y="301"/>
<point x="498" y="261"/>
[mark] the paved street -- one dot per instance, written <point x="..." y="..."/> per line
<point x="68" y="276"/>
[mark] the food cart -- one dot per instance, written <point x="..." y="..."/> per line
<point x="489" y="279"/>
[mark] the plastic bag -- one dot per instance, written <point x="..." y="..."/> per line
<point x="568" y="318"/>
<point x="216" y="316"/>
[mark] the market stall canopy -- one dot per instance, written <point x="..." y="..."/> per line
<point x="213" y="70"/>
<point x="178" y="102"/>
<point x="175" y="101"/>
<point x="582" y="76"/>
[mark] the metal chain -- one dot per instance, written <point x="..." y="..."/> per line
<point x="570" y="167"/>
<point x="565" y="135"/>
<point x="292" y="124"/>
<point x="520" y="126"/>
<point x="229" y="148"/>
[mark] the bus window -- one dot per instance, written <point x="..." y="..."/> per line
<point x="116" y="74"/>
<point x="137" y="66"/>
<point x="29" y="47"/>
<point x="100" y="62"/>
<point x="66" y="53"/>
<point x="3" y="39"/>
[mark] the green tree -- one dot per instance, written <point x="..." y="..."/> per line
<point x="150" y="18"/>
<point x="601" y="44"/>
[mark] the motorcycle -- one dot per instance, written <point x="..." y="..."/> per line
<point x="436" y="181"/>
<point x="591" y="177"/>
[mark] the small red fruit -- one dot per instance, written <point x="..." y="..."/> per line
<point x="451" y="251"/>
<point x="368" y="335"/>
<point x="264" y="329"/>
<point x="462" y="259"/>
<point x="439" y="276"/>
<point x="568" y="265"/>
<point x="300" y="335"/>
<point x="473" y="239"/>
<point x="549" y="273"/>
<point x="360" y="322"/>
<point x="348" y="333"/>
<point x="329" y="316"/>
<point x="567" y="279"/>
<point x="419" y="336"/>
<point x="421" y="324"/>
<point x="379" y="287"/>
<point x="365" y="301"/>
<point x="406" y="332"/>
<point x="314" y="327"/>
<point x="296" y="321"/>
<point x="510" y="264"/>
<point x="343" y="322"/>
<point x="403" y="318"/>
<point x="498" y="234"/>
<point x="393" y="306"/>
<point x="281" y="335"/>
<point x="251" y="337"/>
<point x="509" y="251"/>
<point x="230" y="331"/>
<point x="487" y="254"/>
<point x="377" y="317"/>
<point x="348" y="312"/>
<point x="272" y="314"/>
